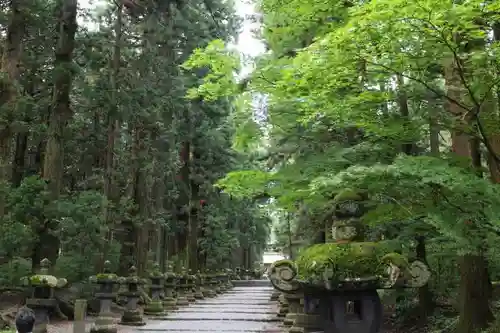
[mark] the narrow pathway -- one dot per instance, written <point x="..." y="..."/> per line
<point x="242" y="309"/>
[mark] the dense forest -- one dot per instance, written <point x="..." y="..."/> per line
<point x="103" y="157"/>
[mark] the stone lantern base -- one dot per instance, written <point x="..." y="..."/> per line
<point x="169" y="303"/>
<point x="104" y="324"/>
<point x="190" y="297"/>
<point x="199" y="294"/>
<point x="182" y="300"/>
<point x="132" y="318"/>
<point x="209" y="293"/>
<point x="154" y="308"/>
<point x="305" y="322"/>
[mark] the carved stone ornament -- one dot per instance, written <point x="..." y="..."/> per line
<point x="282" y="275"/>
<point x="415" y="276"/>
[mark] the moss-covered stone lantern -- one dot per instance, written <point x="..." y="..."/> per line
<point x="229" y="274"/>
<point x="155" y="306"/>
<point x="181" y="288"/>
<point x="169" y="302"/>
<point x="132" y="315"/>
<point x="198" y="294"/>
<point x="341" y="278"/>
<point x="190" y="286"/>
<point x="106" y="282"/>
<point x="42" y="299"/>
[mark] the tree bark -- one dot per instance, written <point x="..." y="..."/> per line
<point x="194" y="216"/>
<point x="112" y="133"/>
<point x="11" y="60"/>
<point x="475" y="285"/>
<point x="475" y="294"/>
<point x="184" y="200"/>
<point x="61" y="114"/>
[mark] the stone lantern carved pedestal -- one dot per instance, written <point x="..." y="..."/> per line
<point x="155" y="307"/>
<point x="308" y="322"/>
<point x="132" y="315"/>
<point x="169" y="302"/>
<point x="106" y="282"/>
<point x="339" y="281"/>
<point x="42" y="300"/>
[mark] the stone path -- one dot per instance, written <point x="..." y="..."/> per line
<point x="242" y="309"/>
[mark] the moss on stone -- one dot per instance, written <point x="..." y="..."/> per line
<point x="343" y="261"/>
<point x="40" y="279"/>
<point x="106" y="276"/>
<point x="347" y="195"/>
<point x="283" y="261"/>
<point x="396" y="259"/>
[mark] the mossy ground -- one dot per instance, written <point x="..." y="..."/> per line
<point x="348" y="260"/>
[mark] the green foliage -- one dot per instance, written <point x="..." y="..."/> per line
<point x="13" y="271"/>
<point x="413" y="182"/>
<point x="222" y="63"/>
<point x="139" y="84"/>
<point x="346" y="261"/>
<point x="248" y="183"/>
<point x="231" y="224"/>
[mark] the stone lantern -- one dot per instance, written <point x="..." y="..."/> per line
<point x="169" y="302"/>
<point x="155" y="307"/>
<point x="106" y="282"/>
<point x="132" y="316"/>
<point x="42" y="299"/>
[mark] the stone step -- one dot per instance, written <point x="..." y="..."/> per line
<point x="211" y="326"/>
<point x="251" y="283"/>
<point x="248" y="302"/>
<point x="228" y="310"/>
<point x="242" y="309"/>
<point x="223" y="305"/>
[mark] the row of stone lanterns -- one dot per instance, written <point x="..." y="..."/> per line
<point x="167" y="291"/>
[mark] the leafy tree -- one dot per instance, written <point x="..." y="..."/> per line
<point x="396" y="99"/>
